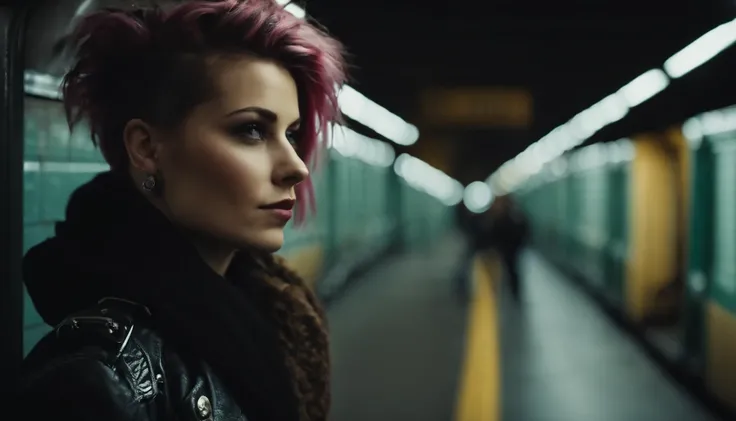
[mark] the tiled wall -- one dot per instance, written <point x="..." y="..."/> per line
<point x="55" y="163"/>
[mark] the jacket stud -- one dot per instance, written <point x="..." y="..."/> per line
<point x="204" y="407"/>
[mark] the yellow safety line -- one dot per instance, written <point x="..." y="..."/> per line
<point x="479" y="396"/>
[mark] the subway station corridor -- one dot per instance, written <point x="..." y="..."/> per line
<point x="561" y="358"/>
<point x="600" y="138"/>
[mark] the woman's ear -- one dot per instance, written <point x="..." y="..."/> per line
<point x="141" y="145"/>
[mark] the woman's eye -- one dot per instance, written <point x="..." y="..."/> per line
<point x="251" y="131"/>
<point x="293" y="137"/>
<point x="255" y="132"/>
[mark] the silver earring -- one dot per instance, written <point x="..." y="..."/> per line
<point x="149" y="183"/>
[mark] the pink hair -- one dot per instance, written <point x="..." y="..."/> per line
<point x="150" y="64"/>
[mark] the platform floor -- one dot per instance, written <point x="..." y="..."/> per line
<point x="398" y="339"/>
<point x="401" y="340"/>
<point x="565" y="360"/>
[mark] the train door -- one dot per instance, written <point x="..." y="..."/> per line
<point x="720" y="307"/>
<point x="700" y="250"/>
<point x="616" y="223"/>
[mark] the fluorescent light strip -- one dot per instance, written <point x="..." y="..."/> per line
<point x="351" y="144"/>
<point x="644" y="87"/>
<point x="612" y="108"/>
<point x="710" y="123"/>
<point x="423" y="177"/>
<point x="701" y="50"/>
<point x="366" y="112"/>
<point x="65" y="167"/>
<point x="42" y="85"/>
<point x="477" y="197"/>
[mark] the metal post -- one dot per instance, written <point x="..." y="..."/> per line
<point x="12" y="24"/>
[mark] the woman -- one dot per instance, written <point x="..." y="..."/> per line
<point x="166" y="300"/>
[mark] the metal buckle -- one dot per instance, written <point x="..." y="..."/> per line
<point x="122" y="300"/>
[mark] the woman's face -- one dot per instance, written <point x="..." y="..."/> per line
<point x="230" y="170"/>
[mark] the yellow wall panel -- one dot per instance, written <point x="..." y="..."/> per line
<point x="653" y="227"/>
<point x="308" y="262"/>
<point x="721" y="358"/>
<point x="681" y="153"/>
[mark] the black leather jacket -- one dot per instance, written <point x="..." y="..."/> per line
<point x="107" y="364"/>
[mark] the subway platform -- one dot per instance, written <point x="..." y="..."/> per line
<point x="406" y="347"/>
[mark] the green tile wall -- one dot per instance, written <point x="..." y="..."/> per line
<point x="55" y="163"/>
